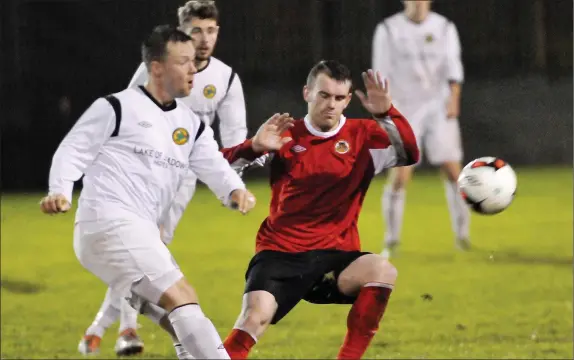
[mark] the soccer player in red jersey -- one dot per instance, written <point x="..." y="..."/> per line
<point x="308" y="247"/>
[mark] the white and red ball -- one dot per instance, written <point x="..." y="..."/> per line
<point x="488" y="185"/>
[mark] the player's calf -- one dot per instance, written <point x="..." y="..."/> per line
<point x="373" y="278"/>
<point x="258" y="310"/>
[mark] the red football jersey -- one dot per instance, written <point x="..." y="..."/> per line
<point x="319" y="180"/>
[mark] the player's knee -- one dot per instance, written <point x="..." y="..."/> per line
<point x="180" y="293"/>
<point x="383" y="271"/>
<point x="401" y="178"/>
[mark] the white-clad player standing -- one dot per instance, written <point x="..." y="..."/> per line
<point x="419" y="51"/>
<point x="217" y="91"/>
<point x="134" y="149"/>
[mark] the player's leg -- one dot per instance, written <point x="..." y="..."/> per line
<point x="132" y="260"/>
<point x="107" y="314"/>
<point x="370" y="280"/>
<point x="128" y="342"/>
<point x="257" y="311"/>
<point x="393" y="203"/>
<point x="160" y="317"/>
<point x="276" y="282"/>
<point x="445" y="149"/>
<point x="394" y="192"/>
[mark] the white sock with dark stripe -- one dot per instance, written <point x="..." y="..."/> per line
<point x="197" y="333"/>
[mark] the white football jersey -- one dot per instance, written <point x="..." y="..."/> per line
<point x="135" y="153"/>
<point x="419" y="59"/>
<point x="216" y="90"/>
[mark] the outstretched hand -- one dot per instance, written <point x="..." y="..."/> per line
<point x="377" y="99"/>
<point x="268" y="137"/>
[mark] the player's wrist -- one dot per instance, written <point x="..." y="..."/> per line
<point x="382" y="115"/>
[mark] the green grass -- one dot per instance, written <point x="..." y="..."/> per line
<point x="509" y="298"/>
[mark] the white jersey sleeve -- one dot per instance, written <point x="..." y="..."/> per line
<point x="381" y="52"/>
<point x="232" y="115"/>
<point x="140" y="77"/>
<point x="455" y="70"/>
<point x="207" y="162"/>
<point x="80" y="147"/>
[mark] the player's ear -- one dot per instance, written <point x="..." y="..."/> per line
<point x="306" y="93"/>
<point x="156" y="68"/>
<point x="348" y="99"/>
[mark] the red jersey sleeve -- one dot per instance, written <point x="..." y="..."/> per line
<point x="391" y="141"/>
<point x="241" y="154"/>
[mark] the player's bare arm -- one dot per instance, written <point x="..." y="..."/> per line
<point x="453" y="104"/>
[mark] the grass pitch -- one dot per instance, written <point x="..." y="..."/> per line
<point x="511" y="297"/>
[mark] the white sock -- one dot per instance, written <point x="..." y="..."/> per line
<point x="106" y="316"/>
<point x="159" y="316"/>
<point x="128" y="316"/>
<point x="393" y="209"/>
<point x="197" y="333"/>
<point x="459" y="211"/>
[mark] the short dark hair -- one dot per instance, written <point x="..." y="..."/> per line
<point x="154" y="48"/>
<point x="333" y="69"/>
<point x="202" y="9"/>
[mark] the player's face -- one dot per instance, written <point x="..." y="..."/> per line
<point x="417" y="9"/>
<point x="204" y="33"/>
<point x="326" y="99"/>
<point x="179" y="68"/>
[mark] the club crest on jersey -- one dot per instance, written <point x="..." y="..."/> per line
<point x="209" y="91"/>
<point x="429" y="38"/>
<point x="342" y="147"/>
<point x="180" y="136"/>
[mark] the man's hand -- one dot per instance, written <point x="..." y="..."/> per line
<point x="242" y="200"/>
<point x="268" y="137"/>
<point x="378" y="100"/>
<point x="54" y="204"/>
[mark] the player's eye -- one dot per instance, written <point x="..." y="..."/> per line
<point x="196" y="31"/>
<point x="340" y="98"/>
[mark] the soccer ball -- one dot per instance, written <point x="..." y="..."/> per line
<point x="488" y="185"/>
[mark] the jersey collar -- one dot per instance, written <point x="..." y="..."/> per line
<point x="323" y="134"/>
<point x="169" y="107"/>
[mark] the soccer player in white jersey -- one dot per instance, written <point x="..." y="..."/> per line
<point x="134" y="148"/>
<point x="419" y="51"/>
<point x="217" y="91"/>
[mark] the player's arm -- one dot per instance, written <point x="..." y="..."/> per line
<point x="77" y="151"/>
<point x="140" y="77"/>
<point x="381" y="58"/>
<point x="455" y="70"/>
<point x="232" y="115"/>
<point x="391" y="141"/>
<point x="208" y="163"/>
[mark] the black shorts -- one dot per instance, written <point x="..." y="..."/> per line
<point x="291" y="277"/>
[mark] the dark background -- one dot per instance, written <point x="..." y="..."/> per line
<point x="59" y="56"/>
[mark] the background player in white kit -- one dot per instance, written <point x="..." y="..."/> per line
<point x="217" y="91"/>
<point x="135" y="148"/>
<point x="419" y="51"/>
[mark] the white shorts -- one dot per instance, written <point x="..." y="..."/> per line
<point x="438" y="138"/>
<point x="128" y="255"/>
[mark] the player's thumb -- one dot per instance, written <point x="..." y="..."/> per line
<point x="285" y="140"/>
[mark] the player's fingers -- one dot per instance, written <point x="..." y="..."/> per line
<point x="285" y="140"/>
<point x="43" y="206"/>
<point x="361" y="95"/>
<point x="272" y="119"/>
<point x="387" y="86"/>
<point x="62" y="204"/>
<point x="380" y="82"/>
<point x="286" y="124"/>
<point x="250" y="202"/>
